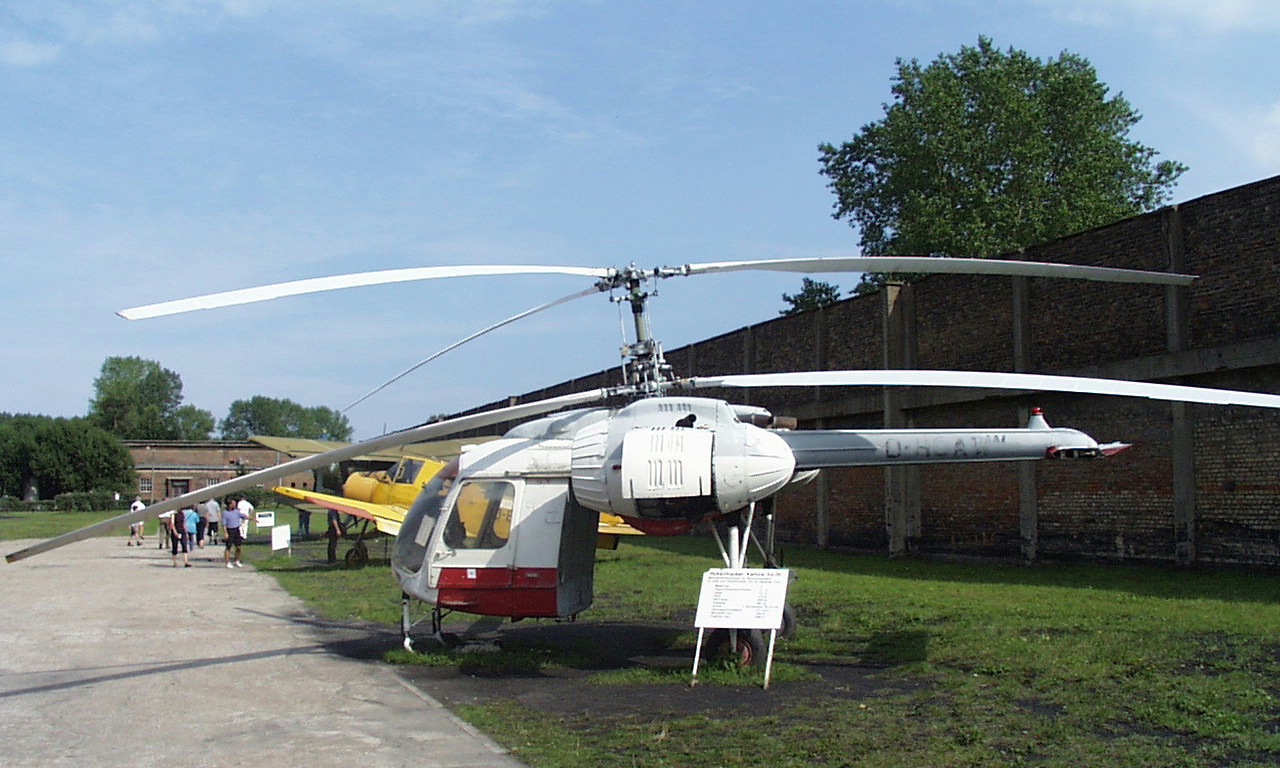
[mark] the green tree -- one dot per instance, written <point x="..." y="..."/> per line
<point x="283" y="418"/>
<point x="985" y="151"/>
<point x="17" y="444"/>
<point x="813" y="294"/>
<point x="138" y="399"/>
<point x="58" y="455"/>
<point x="193" y="423"/>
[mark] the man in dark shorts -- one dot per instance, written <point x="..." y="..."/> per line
<point x="232" y="522"/>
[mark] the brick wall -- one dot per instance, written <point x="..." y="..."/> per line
<point x="1224" y="331"/>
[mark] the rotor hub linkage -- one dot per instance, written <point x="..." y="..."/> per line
<point x="643" y="364"/>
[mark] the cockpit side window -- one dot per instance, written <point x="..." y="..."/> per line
<point x="481" y="515"/>
<point x="420" y="522"/>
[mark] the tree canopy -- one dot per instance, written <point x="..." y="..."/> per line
<point x="136" y="399"/>
<point x="986" y="151"/>
<point x="283" y="418"/>
<point x="46" y="456"/>
<point x="812" y="295"/>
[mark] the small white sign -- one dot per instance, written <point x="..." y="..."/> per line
<point x="265" y="519"/>
<point x="280" y="536"/>
<point x="742" y="598"/>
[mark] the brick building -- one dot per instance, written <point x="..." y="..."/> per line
<point x="1201" y="484"/>
<point x="169" y="468"/>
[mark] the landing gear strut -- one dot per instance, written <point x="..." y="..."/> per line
<point x="407" y="623"/>
<point x="746" y="646"/>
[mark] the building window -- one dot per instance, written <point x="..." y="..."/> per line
<point x="210" y="482"/>
<point x="144" y="485"/>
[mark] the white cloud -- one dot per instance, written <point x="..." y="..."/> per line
<point x="1265" y="141"/>
<point x="1171" y="17"/>
<point x="1245" y="136"/>
<point x="27" y="53"/>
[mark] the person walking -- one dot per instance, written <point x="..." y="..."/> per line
<point x="212" y="513"/>
<point x="176" y="525"/>
<point x="135" y="528"/>
<point x="202" y="525"/>
<point x="189" y="520"/>
<point x="232" y="532"/>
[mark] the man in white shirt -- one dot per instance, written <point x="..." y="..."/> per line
<point x="136" y="528"/>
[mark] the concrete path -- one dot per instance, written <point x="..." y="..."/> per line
<point x="111" y="657"/>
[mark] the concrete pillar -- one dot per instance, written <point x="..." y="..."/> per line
<point x="822" y="489"/>
<point x="902" y="483"/>
<point x="1028" y="490"/>
<point x="1177" y="302"/>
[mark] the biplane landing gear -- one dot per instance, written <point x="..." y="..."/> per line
<point x="357" y="556"/>
<point x="359" y="531"/>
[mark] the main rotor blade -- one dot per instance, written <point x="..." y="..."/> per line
<point x="317" y="284"/>
<point x="990" y="380"/>
<point x="473" y="336"/>
<point x="403" y="437"/>
<point x="945" y="265"/>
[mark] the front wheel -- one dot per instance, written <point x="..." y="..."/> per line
<point x="741" y="648"/>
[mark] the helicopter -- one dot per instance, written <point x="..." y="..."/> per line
<point x="508" y="528"/>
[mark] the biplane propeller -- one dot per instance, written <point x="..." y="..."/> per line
<point x="508" y="528"/>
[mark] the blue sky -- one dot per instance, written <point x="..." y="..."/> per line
<point x="156" y="149"/>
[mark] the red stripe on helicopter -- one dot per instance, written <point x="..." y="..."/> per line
<point x="511" y="592"/>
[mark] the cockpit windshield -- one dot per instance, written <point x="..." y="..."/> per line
<point x="407" y="470"/>
<point x="415" y="531"/>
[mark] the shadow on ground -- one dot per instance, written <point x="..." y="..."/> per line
<point x="603" y="647"/>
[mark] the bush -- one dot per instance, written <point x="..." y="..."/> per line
<point x="14" y="504"/>
<point x="88" y="501"/>
<point x="258" y="495"/>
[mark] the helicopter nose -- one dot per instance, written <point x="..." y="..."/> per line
<point x="749" y="464"/>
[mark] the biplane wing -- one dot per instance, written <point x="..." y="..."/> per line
<point x="386" y="517"/>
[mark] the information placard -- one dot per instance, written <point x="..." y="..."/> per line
<point x="280" y="536"/>
<point x="742" y="598"/>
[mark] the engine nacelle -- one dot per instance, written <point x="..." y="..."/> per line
<point x="632" y="467"/>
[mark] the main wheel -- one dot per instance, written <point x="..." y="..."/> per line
<point x="788" y="626"/>
<point x="357" y="556"/>
<point x="747" y="650"/>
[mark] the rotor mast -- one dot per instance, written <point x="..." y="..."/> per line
<point x="643" y="364"/>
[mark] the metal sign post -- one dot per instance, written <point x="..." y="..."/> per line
<point x="741" y="598"/>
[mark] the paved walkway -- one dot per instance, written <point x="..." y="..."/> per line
<point x="111" y="657"/>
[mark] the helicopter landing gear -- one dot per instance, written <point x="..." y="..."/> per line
<point x="447" y="640"/>
<point x="739" y="647"/>
<point x="747" y="647"/>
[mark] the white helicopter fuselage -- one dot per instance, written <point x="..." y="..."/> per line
<point x="508" y="529"/>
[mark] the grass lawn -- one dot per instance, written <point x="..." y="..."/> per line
<point x="1070" y="665"/>
<point x="46" y="525"/>
<point x="968" y="665"/>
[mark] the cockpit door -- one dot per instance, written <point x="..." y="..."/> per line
<point x="473" y="547"/>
